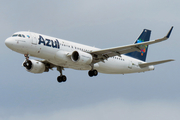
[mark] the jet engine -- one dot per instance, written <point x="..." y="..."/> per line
<point x="81" y="57"/>
<point x="34" y="66"/>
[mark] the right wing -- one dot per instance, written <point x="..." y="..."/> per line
<point x="101" y="55"/>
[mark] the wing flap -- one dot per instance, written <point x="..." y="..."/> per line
<point x="142" y="65"/>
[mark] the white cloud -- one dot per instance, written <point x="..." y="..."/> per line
<point x="113" y="109"/>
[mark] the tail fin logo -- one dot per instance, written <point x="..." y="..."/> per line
<point x="142" y="50"/>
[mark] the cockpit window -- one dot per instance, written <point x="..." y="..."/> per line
<point x="18" y="35"/>
<point x="15" y="35"/>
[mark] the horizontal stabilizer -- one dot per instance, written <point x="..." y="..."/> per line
<point x="154" y="63"/>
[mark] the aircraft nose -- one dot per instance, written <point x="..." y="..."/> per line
<point x="9" y="42"/>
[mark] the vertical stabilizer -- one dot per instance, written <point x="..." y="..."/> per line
<point x="144" y="37"/>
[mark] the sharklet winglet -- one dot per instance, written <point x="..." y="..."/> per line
<point x="169" y="33"/>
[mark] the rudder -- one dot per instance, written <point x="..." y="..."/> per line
<point x="144" y="37"/>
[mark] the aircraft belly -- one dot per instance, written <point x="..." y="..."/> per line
<point x="70" y="64"/>
<point x="112" y="67"/>
<point x="119" y="67"/>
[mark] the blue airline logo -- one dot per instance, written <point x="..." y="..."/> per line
<point x="142" y="50"/>
<point x="48" y="42"/>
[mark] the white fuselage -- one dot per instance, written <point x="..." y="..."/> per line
<point x="57" y="51"/>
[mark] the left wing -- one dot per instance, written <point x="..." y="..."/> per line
<point x="103" y="54"/>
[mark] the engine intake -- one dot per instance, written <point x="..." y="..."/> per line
<point x="81" y="57"/>
<point x="75" y="56"/>
<point x="34" y="66"/>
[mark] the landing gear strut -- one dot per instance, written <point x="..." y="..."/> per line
<point x="27" y="64"/>
<point x="61" y="78"/>
<point x="26" y="56"/>
<point x="92" y="72"/>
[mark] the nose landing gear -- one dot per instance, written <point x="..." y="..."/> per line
<point x="27" y="64"/>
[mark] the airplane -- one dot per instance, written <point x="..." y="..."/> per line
<point x="61" y="54"/>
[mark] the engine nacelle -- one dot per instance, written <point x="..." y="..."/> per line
<point x="34" y="66"/>
<point x="81" y="57"/>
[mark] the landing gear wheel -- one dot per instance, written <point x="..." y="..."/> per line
<point x="64" y="78"/>
<point x="93" y="73"/>
<point x="90" y="73"/>
<point x="61" y="78"/>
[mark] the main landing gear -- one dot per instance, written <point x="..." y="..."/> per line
<point x="93" y="73"/>
<point x="61" y="78"/>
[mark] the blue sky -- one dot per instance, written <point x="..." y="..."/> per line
<point x="99" y="23"/>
